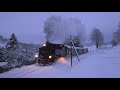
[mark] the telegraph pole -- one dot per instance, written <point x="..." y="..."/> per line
<point x="75" y="50"/>
<point x="71" y="48"/>
<point x="72" y="45"/>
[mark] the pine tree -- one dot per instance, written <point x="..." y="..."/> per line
<point x="12" y="43"/>
<point x="12" y="51"/>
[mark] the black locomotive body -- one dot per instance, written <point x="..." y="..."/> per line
<point x="50" y="52"/>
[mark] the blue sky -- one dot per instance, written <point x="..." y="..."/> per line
<point x="28" y="26"/>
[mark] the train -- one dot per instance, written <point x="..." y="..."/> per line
<point x="50" y="52"/>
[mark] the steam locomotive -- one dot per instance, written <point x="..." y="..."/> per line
<point x="50" y="52"/>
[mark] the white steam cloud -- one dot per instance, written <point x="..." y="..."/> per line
<point x="57" y="29"/>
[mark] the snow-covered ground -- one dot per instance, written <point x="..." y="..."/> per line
<point x="3" y="63"/>
<point x="101" y="63"/>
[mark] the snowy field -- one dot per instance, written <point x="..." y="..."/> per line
<point x="101" y="63"/>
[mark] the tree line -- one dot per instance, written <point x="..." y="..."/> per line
<point x="97" y="38"/>
<point x="16" y="53"/>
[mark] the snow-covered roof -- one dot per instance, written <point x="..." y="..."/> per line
<point x="74" y="47"/>
<point x="57" y="42"/>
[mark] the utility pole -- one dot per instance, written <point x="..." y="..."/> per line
<point x="72" y="45"/>
<point x="75" y="50"/>
<point x="71" y="49"/>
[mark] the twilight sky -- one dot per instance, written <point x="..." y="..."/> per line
<point x="28" y="26"/>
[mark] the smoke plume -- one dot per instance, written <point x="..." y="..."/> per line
<point x="57" y="29"/>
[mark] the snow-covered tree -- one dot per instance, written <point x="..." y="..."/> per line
<point x="12" y="51"/>
<point x="114" y="42"/>
<point x="1" y="54"/>
<point x="12" y="43"/>
<point x="75" y="39"/>
<point x="2" y="39"/>
<point x="97" y="37"/>
<point x="17" y="53"/>
<point x="116" y="35"/>
<point x="67" y="41"/>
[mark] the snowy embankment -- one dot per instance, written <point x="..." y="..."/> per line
<point x="101" y="63"/>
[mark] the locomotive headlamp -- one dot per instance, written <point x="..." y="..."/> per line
<point x="36" y="56"/>
<point x="44" y="44"/>
<point x="50" y="56"/>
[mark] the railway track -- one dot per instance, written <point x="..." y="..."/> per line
<point x="22" y="73"/>
<point x="30" y="72"/>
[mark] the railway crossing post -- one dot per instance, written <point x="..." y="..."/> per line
<point x="72" y="45"/>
